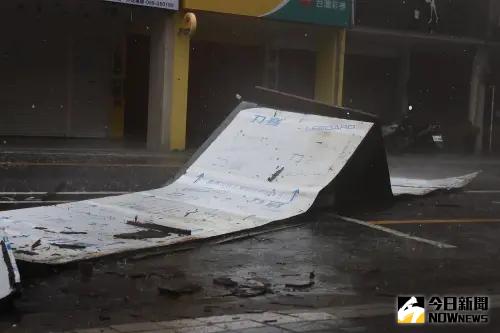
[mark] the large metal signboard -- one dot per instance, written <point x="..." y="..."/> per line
<point x="261" y="165"/>
<point x="265" y="165"/>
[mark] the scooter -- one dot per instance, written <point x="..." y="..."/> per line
<point x="431" y="137"/>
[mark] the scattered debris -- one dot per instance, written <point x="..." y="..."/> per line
<point x="225" y="281"/>
<point x="162" y="228"/>
<point x="302" y="284"/>
<point x="189" y="213"/>
<point x="251" y="288"/>
<point x="299" y="284"/>
<point x="44" y="229"/>
<point x="276" y="174"/>
<point x="247" y="292"/>
<point x="178" y="289"/>
<point x="73" y="233"/>
<point x="70" y="246"/>
<point x="36" y="244"/>
<point x="143" y="234"/>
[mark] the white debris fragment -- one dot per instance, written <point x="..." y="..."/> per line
<point x="412" y="186"/>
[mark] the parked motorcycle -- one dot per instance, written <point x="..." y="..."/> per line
<point x="409" y="135"/>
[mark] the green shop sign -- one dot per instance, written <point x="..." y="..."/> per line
<point x="327" y="12"/>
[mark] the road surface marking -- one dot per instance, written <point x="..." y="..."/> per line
<point x="34" y="202"/>
<point x="397" y="233"/>
<point x="100" y="165"/>
<point x="63" y="193"/>
<point x="433" y="221"/>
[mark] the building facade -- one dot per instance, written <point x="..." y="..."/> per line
<point x="88" y="69"/>
<point x="295" y="46"/>
<point x="434" y="57"/>
<point x="159" y="73"/>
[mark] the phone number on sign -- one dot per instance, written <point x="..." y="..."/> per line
<point x="172" y="4"/>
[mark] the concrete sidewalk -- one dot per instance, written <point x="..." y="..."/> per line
<point x="371" y="317"/>
<point x="335" y="319"/>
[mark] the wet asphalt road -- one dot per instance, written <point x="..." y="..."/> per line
<point x="352" y="264"/>
<point x="30" y="178"/>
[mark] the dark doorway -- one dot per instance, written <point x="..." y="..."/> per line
<point x="297" y="72"/>
<point x="218" y="72"/>
<point x="370" y="84"/>
<point x="137" y="88"/>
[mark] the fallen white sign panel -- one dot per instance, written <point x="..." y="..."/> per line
<point x="9" y="275"/>
<point x="266" y="165"/>
<point x="411" y="186"/>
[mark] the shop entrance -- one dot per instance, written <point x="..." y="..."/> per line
<point x="137" y="87"/>
<point x="218" y="72"/>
